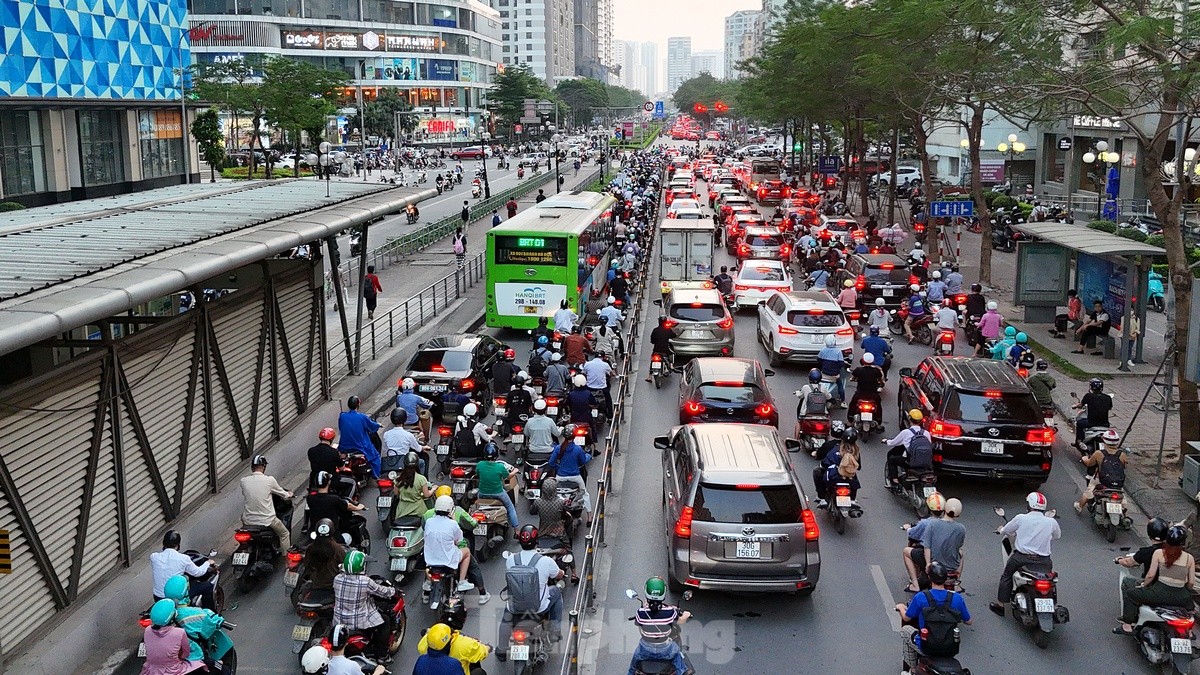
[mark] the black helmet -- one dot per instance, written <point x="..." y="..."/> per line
<point x="976" y="288"/>
<point x="937" y="572"/>
<point x="339" y="636"/>
<point x="543" y="321"/>
<point x="455" y="384"/>
<point x="1042" y="365"/>
<point x="850" y="435"/>
<point x="1176" y="535"/>
<point x="1096" y="384"/>
<point x="1156" y="529"/>
<point x="527" y="536"/>
<point x="724" y="269"/>
<point x="399" y="416"/>
<point x="324" y="478"/>
<point x="491" y="452"/>
<point x="454" y="613"/>
<point x="837" y="428"/>
<point x="172" y="539"/>
<point x="323" y="528"/>
<point x="352" y="403"/>
<point x="412" y="459"/>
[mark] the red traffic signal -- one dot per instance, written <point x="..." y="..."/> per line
<point x="700" y="108"/>
<point x="720" y="107"/>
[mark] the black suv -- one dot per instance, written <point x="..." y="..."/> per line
<point x="982" y="416"/>
<point x="877" y="275"/>
<point x="463" y="356"/>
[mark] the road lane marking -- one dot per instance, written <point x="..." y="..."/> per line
<point x="889" y="601"/>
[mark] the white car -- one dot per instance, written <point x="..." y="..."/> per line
<point x="904" y="176"/>
<point x="838" y="227"/>
<point x="687" y="214"/>
<point x="793" y="325"/>
<point x="756" y="279"/>
<point x="679" y="204"/>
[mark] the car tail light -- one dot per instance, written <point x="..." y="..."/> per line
<point x="519" y="635"/>
<point x="437" y="368"/>
<point x="1182" y="624"/>
<point x="294" y="558"/>
<point x="845" y="332"/>
<point x="479" y="516"/>
<point x="842" y="491"/>
<point x="1045" y="466"/>
<point x="468" y="384"/>
<point x="784" y="330"/>
<point x="866" y="406"/>
<point x="683" y="526"/>
<point x="726" y="323"/>
<point x="944" y="429"/>
<point x="762" y="192"/>
<point x="693" y="407"/>
<point x="242" y="537"/>
<point x="445" y="432"/>
<point x="458" y="472"/>
<point x="1043" y="586"/>
<point x="860" y="283"/>
<point x="785" y="250"/>
<point x="384" y="484"/>
<point x="1043" y="436"/>
<point x="743" y="249"/>
<point x="888" y="266"/>
<point x="937" y="459"/>
<point x="764" y="410"/>
<point x="739" y="287"/>
<point x="811" y="531"/>
<point x="912" y="279"/>
<point x="670" y="323"/>
<point x="399" y="542"/>
<point x="992" y="393"/>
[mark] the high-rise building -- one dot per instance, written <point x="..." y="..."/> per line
<point x="587" y="53"/>
<point x="651" y="82"/>
<point x="742" y="39"/>
<point x="604" y="36"/>
<point x="773" y="13"/>
<point x="539" y="34"/>
<point x="679" y="61"/>
<point x="711" y="61"/>
<point x="623" y="61"/>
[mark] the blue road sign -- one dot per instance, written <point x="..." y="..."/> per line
<point x="955" y="209"/>
<point x="659" y="110"/>
<point x="829" y="164"/>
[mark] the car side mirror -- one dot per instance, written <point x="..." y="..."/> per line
<point x="906" y="372"/>
<point x="662" y="442"/>
<point x="792" y="444"/>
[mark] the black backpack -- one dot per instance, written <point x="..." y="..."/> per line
<point x="537" y="365"/>
<point x="920" y="452"/>
<point x="940" y="636"/>
<point x="816" y="402"/>
<point x="1112" y="471"/>
<point x="464" y="441"/>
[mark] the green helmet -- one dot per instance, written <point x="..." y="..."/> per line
<point x="1022" y="338"/>
<point x="656" y="589"/>
<point x="355" y="562"/>
<point x="162" y="613"/>
<point x="176" y="589"/>
<point x="1009" y="331"/>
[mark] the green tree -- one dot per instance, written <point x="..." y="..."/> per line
<point x="206" y="130"/>
<point x="298" y="95"/>
<point x="381" y="117"/>
<point x="509" y="91"/>
<point x="235" y="87"/>
<point x="582" y="96"/>
<point x="704" y="89"/>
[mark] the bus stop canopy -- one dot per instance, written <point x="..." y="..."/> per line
<point x="1086" y="240"/>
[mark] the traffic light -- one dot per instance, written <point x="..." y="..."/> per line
<point x="721" y="107"/>
<point x="700" y="108"/>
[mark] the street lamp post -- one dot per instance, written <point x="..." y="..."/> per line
<point x="1101" y="156"/>
<point x="1013" y="147"/>
<point x="555" y="140"/>
<point x="484" y="137"/>
<point x="325" y="161"/>
<point x="183" y="125"/>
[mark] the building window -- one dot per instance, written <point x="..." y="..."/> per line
<point x="100" y="146"/>
<point x="505" y="50"/>
<point x="160" y="138"/>
<point x="528" y="36"/>
<point x="22" y="158"/>
<point x="344" y="10"/>
<point x="505" y="25"/>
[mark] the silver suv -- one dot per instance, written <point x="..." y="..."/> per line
<point x="697" y="315"/>
<point x="736" y="516"/>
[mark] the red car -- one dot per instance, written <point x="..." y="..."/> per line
<point x="471" y="152"/>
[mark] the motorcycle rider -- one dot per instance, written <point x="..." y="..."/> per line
<point x="484" y="438"/>
<point x="723" y="282"/>
<point x="915" y="612"/>
<point x="568" y="461"/>
<point x="879" y="318"/>
<point x="466" y="524"/>
<point x="540" y="430"/>
<point x="916" y="310"/>
<point x="848" y="297"/>
<point x="323" y="456"/>
<point x="946" y="317"/>
<point x="357" y="432"/>
<point x="976" y="303"/>
<point x="554" y="517"/>
<point x="398" y="442"/>
<point x="201" y="625"/>
<point x="504" y="370"/>
<point x="543" y="330"/>
<point x="1042" y="383"/>
<point x="655" y="622"/>
<point x="831" y="362"/>
<point x="608" y="342"/>
<point x="564" y="318"/>
<point x="936" y="290"/>
<point x="576" y="347"/>
<point x="520" y="401"/>
<point x="1004" y="346"/>
<point x="557" y="376"/>
<point x="1019" y="348"/>
<point x="493" y="473"/>
<point x="447" y="637"/>
<point x="169" y="562"/>
<point x="1097" y="404"/>
<point x="942" y="539"/>
<point x="1032" y="533"/>
<point x="1170" y="581"/>
<point x="416" y="406"/>
<point x="334" y="662"/>
<point x="581" y="400"/>
<point x="611" y="315"/>
<point x="259" y="507"/>
<point x="598" y="372"/>
<point x="954" y="280"/>
<point x="897" y="456"/>
<point x="1156" y="532"/>
<point x="879" y="349"/>
<point x="324" y="555"/>
<point x="813" y="385"/>
<point x="437" y="659"/>
<point x="443" y="543"/>
<point x="660" y="341"/>
<point x="324" y="505"/>
<point x="841" y="463"/>
<point x="869" y="380"/>
<point x="167" y="645"/>
<point x="551" y="605"/>
<point x="915" y="560"/>
<point x="818" y="280"/>
<point x="411" y="489"/>
<point x="988" y="326"/>
<point x="1109" y="463"/>
<point x="450" y="405"/>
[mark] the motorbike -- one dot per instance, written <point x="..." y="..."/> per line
<point x="1107" y="508"/>
<point x="865" y="418"/>
<point x="318" y="613"/>
<point x="383" y="502"/>
<point x="813" y="431"/>
<point x="441" y="584"/>
<point x="441" y="447"/>
<point x="915" y="487"/>
<point x="358" y="466"/>
<point x="1155" y="295"/>
<point x="945" y="342"/>
<point x="219" y="648"/>
<point x="1164" y="634"/>
<point x="411" y="217"/>
<point x="921" y="330"/>
<point x="659" y="369"/>
<point x="355" y="243"/>
<point x="1034" y="600"/>
<point x="258" y="550"/>
<point x="406" y="544"/>
<point x="840" y="507"/>
<point x="462" y="476"/>
<point x="492" y="526"/>
<point x="422" y="177"/>
<point x="659" y="666"/>
<point x="476" y="191"/>
<point x="520" y="172"/>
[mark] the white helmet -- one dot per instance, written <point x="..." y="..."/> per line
<point x="992" y="305"/>
<point x="879" y="302"/>
<point x="443" y="504"/>
<point x="1036" y="501"/>
<point x="579" y="380"/>
<point x="522" y="377"/>
<point x="868" y="358"/>
<point x="914" y="287"/>
<point x="315" y="660"/>
<point x="539" y="405"/>
<point x="917" y="245"/>
<point x="1111" y="437"/>
<point x="470" y="410"/>
<point x="555" y="357"/>
<point x="830" y="341"/>
<point x="612" y="300"/>
<point x="937" y="274"/>
<point x="953" y="507"/>
<point x="408" y="384"/>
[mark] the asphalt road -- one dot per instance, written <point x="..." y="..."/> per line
<point x="848" y="625"/>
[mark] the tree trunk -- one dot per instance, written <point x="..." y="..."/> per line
<point x="975" y="137"/>
<point x="846" y="156"/>
<point x="932" y="234"/>
<point x="861" y="143"/>
<point x="894" y="179"/>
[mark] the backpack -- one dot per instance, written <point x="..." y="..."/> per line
<point x="537" y="365"/>
<point x="816" y="402"/>
<point x="524" y="586"/>
<point x="464" y="441"/>
<point x="920" y="452"/>
<point x="459" y="249"/>
<point x="940" y="636"/>
<point x="1112" y="472"/>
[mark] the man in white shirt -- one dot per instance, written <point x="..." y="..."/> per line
<point x="548" y="571"/>
<point x="443" y="537"/>
<point x="947" y="316"/>
<point x="1031" y="533"/>
<point x="597" y="371"/>
<point x="398" y="442"/>
<point x="170" y="562"/>
<point x="540" y="430"/>
<point x="564" y="318"/>
<point x="259" y="510"/>
<point x="610" y="314"/>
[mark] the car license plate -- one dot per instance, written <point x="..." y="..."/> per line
<point x="991" y="448"/>
<point x="241" y="559"/>
<point x="443" y="450"/>
<point x="301" y="633"/>
<point x="291" y="578"/>
<point x="748" y="549"/>
<point x="694" y="334"/>
<point x="383" y="502"/>
<point x="1042" y="605"/>
<point x="530" y="309"/>
<point x="552" y="410"/>
<point x="580" y="441"/>
<point x="866" y="416"/>
<point x="481" y="529"/>
<point x="432" y="388"/>
<point x="518" y="438"/>
<point x="929" y="490"/>
<point x="1114" y="507"/>
<point x="398" y="565"/>
<point x="816" y="339"/>
<point x="533" y="493"/>
<point x="142" y="650"/>
<point x="887" y="292"/>
<point x="500" y="411"/>
<point x="518" y="652"/>
<point x="458" y="488"/>
<point x="843" y="501"/>
<point x="1181" y="646"/>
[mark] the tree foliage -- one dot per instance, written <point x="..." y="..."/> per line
<point x="509" y="91"/>
<point x="206" y="131"/>
<point x="704" y="89"/>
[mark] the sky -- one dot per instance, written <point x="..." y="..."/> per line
<point x="657" y="20"/>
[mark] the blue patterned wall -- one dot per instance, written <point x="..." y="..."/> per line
<point x="92" y="49"/>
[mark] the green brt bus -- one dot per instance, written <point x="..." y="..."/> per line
<point x="557" y="250"/>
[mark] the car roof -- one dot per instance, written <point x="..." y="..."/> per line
<point x="453" y="342"/>
<point x="749" y="216"/>
<point x="763" y="229"/>
<point x="724" y="458"/>
<point x="809" y="300"/>
<point x="877" y="259"/>
<point x="688" y="211"/>
<point x="726" y="368"/>
<point x="980" y="374"/>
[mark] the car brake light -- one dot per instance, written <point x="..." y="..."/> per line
<point x="458" y="472"/>
<point x="992" y="393"/>
<point x="866" y="406"/>
<point x="845" y="331"/>
<point x="785" y="250"/>
<point x="784" y="330"/>
<point x="725" y="323"/>
<point x="842" y="491"/>
<point x="1183" y="624"/>
<point x="811" y="531"/>
<point x="683" y="526"/>
<point x="1043" y="586"/>
<point x="744" y="249"/>
<point x="888" y="266"/>
<point x="241" y="536"/>
<point x="693" y="407"/>
<point x="1043" y="436"/>
<point x="944" y="429"/>
<point x="399" y="542"/>
<point x="384" y="484"/>
<point x="739" y="287"/>
<point x="437" y="368"/>
<point x="764" y="410"/>
<point x="860" y="283"/>
<point x="467" y="384"/>
<point x="670" y="323"/>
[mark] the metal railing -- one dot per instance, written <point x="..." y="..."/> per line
<point x="387" y="330"/>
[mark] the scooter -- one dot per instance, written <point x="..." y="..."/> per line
<point x="1034" y="600"/>
<point x="865" y="418"/>
<point x="945" y="342"/>
<point x="658" y="369"/>
<point x="1156" y="295"/>
<point x="1164" y="634"/>
<point x="813" y="431"/>
<point x="476" y="191"/>
<point x="840" y="507"/>
<point x="1107" y="507"/>
<point x="659" y="666"/>
<point x="462" y="476"/>
<point x="219" y="648"/>
<point x="395" y="622"/>
<point x="383" y="502"/>
<point x="491" y="527"/>
<point x="406" y="545"/>
<point x="915" y="487"/>
<point x="258" y="548"/>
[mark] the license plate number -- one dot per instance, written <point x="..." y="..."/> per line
<point x="1041" y="605"/>
<point x="383" y="502"/>
<point x="1181" y="646"/>
<point x="481" y="529"/>
<point x="595" y="413"/>
<point x="552" y="410"/>
<point x="843" y="501"/>
<point x="866" y="416"/>
<point x="929" y="489"/>
<point x="142" y="650"/>
<point x="443" y="450"/>
<point x="241" y="559"/>
<point x="432" y="388"/>
<point x="695" y="334"/>
<point x="1113" y="507"/>
<point x="398" y="565"/>
<point x="530" y="309"/>
<point x="518" y="438"/>
<point x="991" y="448"/>
<point x="533" y="493"/>
<point x="291" y="578"/>
<point x="501" y="411"/>
<point x="816" y="339"/>
<point x="748" y="549"/>
<point x="301" y="632"/>
<point x="887" y="292"/>
<point x="518" y="652"/>
<point x="580" y="441"/>
<point x="458" y="488"/>
<point x="656" y="366"/>
<point x="947" y="347"/>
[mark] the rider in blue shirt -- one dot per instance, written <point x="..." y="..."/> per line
<point x="832" y="363"/>
<point x="879" y="348"/>
<point x="914" y="612"/>
<point x="354" y="430"/>
<point x="410" y="401"/>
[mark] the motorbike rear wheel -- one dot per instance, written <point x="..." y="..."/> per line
<point x="1110" y="532"/>
<point x="923" y="335"/>
<point x="399" y="629"/>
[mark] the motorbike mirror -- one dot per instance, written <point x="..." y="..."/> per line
<point x="999" y="510"/>
<point x="687" y="595"/>
<point x="792" y="444"/>
<point x="768" y="372"/>
<point x="658" y="301"/>
<point x="662" y="442"/>
<point x="507" y="555"/>
<point x="1074" y="395"/>
<point x="392" y="475"/>
<point x="630" y="593"/>
<point x="1052" y="513"/>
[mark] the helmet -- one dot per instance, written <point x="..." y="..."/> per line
<point x="1176" y="535"/>
<point x="976" y="288"/>
<point x="837" y="428"/>
<point x="522" y="377"/>
<point x="879" y="302"/>
<point x="612" y="300"/>
<point x="176" y="589"/>
<point x="868" y="358"/>
<point x="917" y="245"/>
<point x="850" y="435"/>
<point x="543" y="320"/>
<point x="936" y="502"/>
<point x="579" y="380"/>
<point x="830" y="341"/>
<point x="1042" y="365"/>
<point x="875" y="329"/>
<point x="443" y="491"/>
<point x="327" y="434"/>
<point x="915" y="416"/>
<point x="172" y="539"/>
<point x="412" y="459"/>
<point x="315" y="660"/>
<point x="555" y="357"/>
<point x="408" y="384"/>
<point x="1036" y="501"/>
<point x="259" y="460"/>
<point x="1156" y="529"/>
<point x="914" y="287"/>
<point x="324" y="478"/>
<point x="542" y="341"/>
<point x="1111" y="437"/>
<point x="1096" y="384"/>
<point x="1022" y="338"/>
<point x="539" y="406"/>
<point x="527" y="536"/>
<point x="814" y="375"/>
<point x="353" y="402"/>
<point x="454" y="613"/>
<point x="443" y="504"/>
<point x="355" y="562"/>
<point x="162" y="612"/>
<point x="510" y="354"/>
<point x="947" y="303"/>
<point x="937" y="572"/>
<point x="992" y="306"/>
<point x="470" y="410"/>
<point x="399" y="416"/>
<point x="438" y="637"/>
<point x="953" y="507"/>
<point x="656" y="589"/>
<point x="937" y="274"/>
<point x="1010" y="332"/>
<point x="339" y="636"/>
<point x="323" y="528"/>
<point x="848" y="283"/>
<point x="490" y="452"/>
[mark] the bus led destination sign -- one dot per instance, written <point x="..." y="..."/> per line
<point x="527" y="250"/>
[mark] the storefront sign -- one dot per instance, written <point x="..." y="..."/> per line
<point x="441" y="69"/>
<point x="157" y="125"/>
<point x="413" y="43"/>
<point x="1065" y="144"/>
<point x="303" y="39"/>
<point x="466" y="71"/>
<point x="337" y="41"/>
<point x="1094" y="122"/>
<point x="215" y="33"/>
<point x="991" y="171"/>
<point x="440" y="126"/>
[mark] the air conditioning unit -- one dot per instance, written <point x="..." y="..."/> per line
<point x="1190" y="482"/>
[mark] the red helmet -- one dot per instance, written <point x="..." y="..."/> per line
<point x="510" y="354"/>
<point x="327" y="434"/>
<point x="527" y="536"/>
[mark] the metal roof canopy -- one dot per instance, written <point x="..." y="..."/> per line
<point x="1086" y="240"/>
<point x="55" y="276"/>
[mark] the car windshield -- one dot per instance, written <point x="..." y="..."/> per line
<point x="996" y="407"/>
<point x="840" y="225"/>
<point x="689" y="215"/>
<point x="440" y="361"/>
<point x="815" y="318"/>
<point x="764" y="240"/>
<point x="747" y="504"/>
<point x="761" y="273"/>
<point x="880" y="275"/>
<point x="731" y="392"/>
<point x="697" y="312"/>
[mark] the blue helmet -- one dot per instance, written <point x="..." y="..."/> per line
<point x="542" y="341"/>
<point x="814" y="376"/>
<point x="162" y="612"/>
<point x="875" y="331"/>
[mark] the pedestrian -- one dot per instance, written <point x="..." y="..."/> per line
<point x="371" y="291"/>
<point x="459" y="244"/>
<point x="511" y="205"/>
<point x="1135" y="333"/>
<point x="496" y="220"/>
<point x="465" y="214"/>
<point x="541" y="197"/>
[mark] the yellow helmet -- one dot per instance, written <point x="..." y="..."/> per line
<point x="915" y="415"/>
<point x="439" y="636"/>
<point x="936" y="502"/>
<point x="443" y="491"/>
